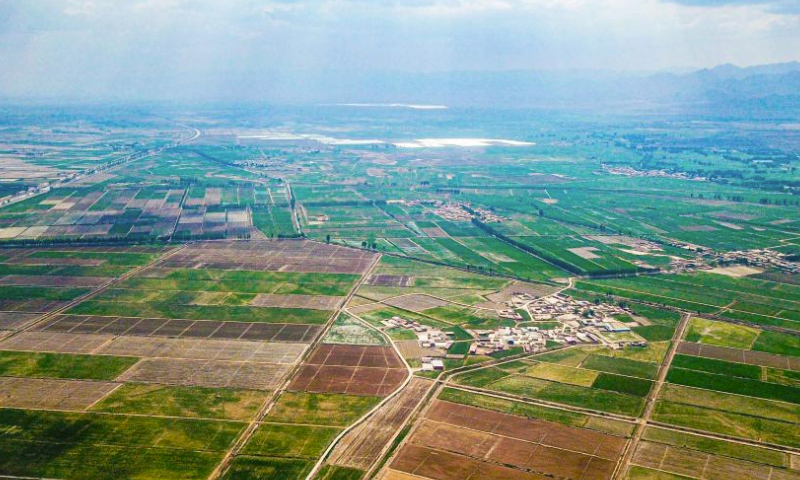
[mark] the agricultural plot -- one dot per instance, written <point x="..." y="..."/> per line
<point x="95" y="446"/>
<point x="588" y="377"/>
<point x="690" y="456"/>
<point x="716" y="387"/>
<point x="34" y="282"/>
<point x="295" y="433"/>
<point x="363" y="446"/>
<point x="455" y="441"/>
<point x="755" y="301"/>
<point x="356" y="370"/>
<point x="164" y="345"/>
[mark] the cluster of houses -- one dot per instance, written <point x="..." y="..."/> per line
<point x="764" y="258"/>
<point x="564" y="308"/>
<point x="578" y="321"/>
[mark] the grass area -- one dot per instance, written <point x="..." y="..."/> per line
<point x="735" y="385"/>
<point x="778" y="343"/>
<point x="751" y="406"/>
<point x="293" y="441"/>
<point x="225" y="313"/>
<point x="242" y="281"/>
<point x="481" y="378"/>
<point x="226" y="404"/>
<point x="728" y="423"/>
<point x="622" y="366"/>
<point x="629" y="385"/>
<point x="590" y="398"/>
<point x="115" y="258"/>
<point x="263" y="468"/>
<point x="562" y="374"/>
<point x="60" y="365"/>
<point x="334" y="472"/>
<point x="16" y="292"/>
<point x="320" y="408"/>
<point x="535" y="411"/>
<point x="713" y="366"/>
<point x="92" y="446"/>
<point x="716" y="447"/>
<point x="721" y="334"/>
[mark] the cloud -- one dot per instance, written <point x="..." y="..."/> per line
<point x="778" y="6"/>
<point x="245" y="47"/>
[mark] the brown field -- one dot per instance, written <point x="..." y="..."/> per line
<point x="31" y="306"/>
<point x="742" y="356"/>
<point x="14" y="320"/>
<point x="425" y="462"/>
<point x="316" y="302"/>
<point x="273" y="255"/>
<point x="546" y="448"/>
<point x="53" y="281"/>
<point x="55" y="342"/>
<point x="159" y="327"/>
<point x="222" y="350"/>
<point x="51" y="394"/>
<point x="355" y="356"/>
<point x="550" y="434"/>
<point x="351" y="380"/>
<point x="207" y="373"/>
<point x="415" y="302"/>
<point x="434" y="232"/>
<point x="363" y="445"/>
<point x="703" y="465"/>
<point x="412" y="349"/>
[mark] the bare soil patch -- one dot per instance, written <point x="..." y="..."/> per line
<point x="363" y="445"/>
<point x="41" y="393"/>
<point x="207" y="373"/>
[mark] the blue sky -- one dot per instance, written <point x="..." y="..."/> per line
<point x="85" y="47"/>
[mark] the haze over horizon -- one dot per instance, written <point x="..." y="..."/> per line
<point x="303" y="50"/>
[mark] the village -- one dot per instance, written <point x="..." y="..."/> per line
<point x="557" y="319"/>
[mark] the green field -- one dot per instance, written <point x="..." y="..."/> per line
<point x="91" y="446"/>
<point x="226" y="404"/>
<point x="320" y="409"/>
<point x="57" y="365"/>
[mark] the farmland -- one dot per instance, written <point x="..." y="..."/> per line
<point x="250" y="296"/>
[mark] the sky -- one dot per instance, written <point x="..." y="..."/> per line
<point x="152" y="48"/>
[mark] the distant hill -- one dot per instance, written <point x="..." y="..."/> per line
<point x="726" y="90"/>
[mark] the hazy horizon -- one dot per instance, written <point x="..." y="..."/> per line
<point x="298" y="50"/>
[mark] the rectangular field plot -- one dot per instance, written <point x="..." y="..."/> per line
<point x="176" y="328"/>
<point x="704" y="466"/>
<point x="278" y="255"/>
<point x="529" y="448"/>
<point x="148" y="399"/>
<point x="315" y="302"/>
<point x="207" y="373"/>
<point x="109" y="447"/>
<point x="230" y="350"/>
<point x="108" y="304"/>
<point x="355" y="356"/>
<point x="351" y="369"/>
<point x="55" y="342"/>
<point x="362" y="446"/>
<point x="56" y="365"/>
<point x="52" y="394"/>
<point x="320" y="408"/>
<point x="14" y="321"/>
<point x="349" y="380"/>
